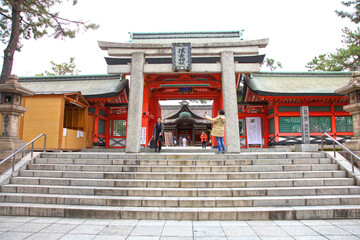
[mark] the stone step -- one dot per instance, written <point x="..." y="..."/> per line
<point x="143" y="168"/>
<point x="191" y="176"/>
<point x="151" y="213"/>
<point x="124" y="201"/>
<point x="236" y="190"/>
<point x="197" y="162"/>
<point x="176" y="191"/>
<point x="182" y="175"/>
<point x="183" y="156"/>
<point x="98" y="171"/>
<point x="196" y="149"/>
<point x="181" y="183"/>
<point x="190" y="186"/>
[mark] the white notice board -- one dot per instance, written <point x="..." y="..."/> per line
<point x="253" y="130"/>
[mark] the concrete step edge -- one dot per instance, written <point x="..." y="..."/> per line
<point x="179" y="189"/>
<point x="240" y="213"/>
<point x="197" y="180"/>
<point x="280" y="201"/>
<point x="172" y="173"/>
<point x="181" y="166"/>
<point x="238" y="188"/>
<point x="201" y="198"/>
<point x="182" y="155"/>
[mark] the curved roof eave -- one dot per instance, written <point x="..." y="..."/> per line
<point x="297" y="84"/>
<point x="98" y="86"/>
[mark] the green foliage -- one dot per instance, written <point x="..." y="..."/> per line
<point x="62" y="69"/>
<point x="25" y="19"/>
<point x="37" y="19"/>
<point x="324" y="62"/>
<point x="271" y="64"/>
<point x="347" y="58"/>
<point x="353" y="16"/>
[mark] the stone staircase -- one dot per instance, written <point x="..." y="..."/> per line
<point x="247" y="186"/>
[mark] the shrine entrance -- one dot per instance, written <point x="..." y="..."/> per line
<point x="199" y="65"/>
<point x="184" y="123"/>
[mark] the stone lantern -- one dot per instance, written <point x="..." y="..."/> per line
<point x="352" y="89"/>
<point x="10" y="108"/>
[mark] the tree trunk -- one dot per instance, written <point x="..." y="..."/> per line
<point x="13" y="41"/>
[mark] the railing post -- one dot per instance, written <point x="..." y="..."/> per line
<point x="44" y="142"/>
<point x="13" y="163"/>
<point x="352" y="162"/>
<point x="32" y="149"/>
<point x="334" y="149"/>
<point x="322" y="142"/>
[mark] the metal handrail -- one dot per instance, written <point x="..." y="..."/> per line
<point x="19" y="150"/>
<point x="334" y="141"/>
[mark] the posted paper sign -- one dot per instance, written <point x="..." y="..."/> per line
<point x="253" y="130"/>
<point x="143" y="135"/>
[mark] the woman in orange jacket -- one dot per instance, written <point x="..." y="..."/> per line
<point x="203" y="139"/>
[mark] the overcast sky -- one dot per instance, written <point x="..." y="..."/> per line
<point x="298" y="30"/>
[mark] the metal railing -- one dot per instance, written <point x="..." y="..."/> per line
<point x="19" y="150"/>
<point x="345" y="148"/>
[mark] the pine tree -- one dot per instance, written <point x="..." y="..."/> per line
<point x="347" y="58"/>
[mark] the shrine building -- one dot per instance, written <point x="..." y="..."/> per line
<point x="119" y="109"/>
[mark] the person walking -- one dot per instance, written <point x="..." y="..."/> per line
<point x="203" y="138"/>
<point x="218" y="129"/>
<point x="158" y="134"/>
<point x="184" y="141"/>
<point x="174" y="141"/>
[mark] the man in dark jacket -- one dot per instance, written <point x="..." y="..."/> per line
<point x="158" y="133"/>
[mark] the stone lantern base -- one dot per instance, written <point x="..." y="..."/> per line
<point x="9" y="145"/>
<point x="11" y="93"/>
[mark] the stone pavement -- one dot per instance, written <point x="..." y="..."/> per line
<point x="38" y="228"/>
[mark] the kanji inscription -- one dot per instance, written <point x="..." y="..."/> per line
<point x="181" y="60"/>
<point x="305" y="124"/>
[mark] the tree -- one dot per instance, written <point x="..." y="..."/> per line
<point x="60" y="69"/>
<point x="353" y="16"/>
<point x="25" y="19"/>
<point x="347" y="58"/>
<point x="271" y="64"/>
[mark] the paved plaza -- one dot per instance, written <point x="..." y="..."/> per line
<point x="37" y="228"/>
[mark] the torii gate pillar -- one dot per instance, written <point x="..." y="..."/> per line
<point x="133" y="134"/>
<point x="230" y="102"/>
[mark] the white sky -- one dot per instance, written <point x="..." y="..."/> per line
<point x="298" y="30"/>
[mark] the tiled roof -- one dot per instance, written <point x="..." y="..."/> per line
<point x="88" y="85"/>
<point x="297" y="83"/>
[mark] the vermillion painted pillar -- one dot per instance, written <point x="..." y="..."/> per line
<point x="145" y="115"/>
<point x="96" y="123"/>
<point x="133" y="134"/>
<point x="333" y="120"/>
<point x="276" y="123"/>
<point x="230" y="102"/>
